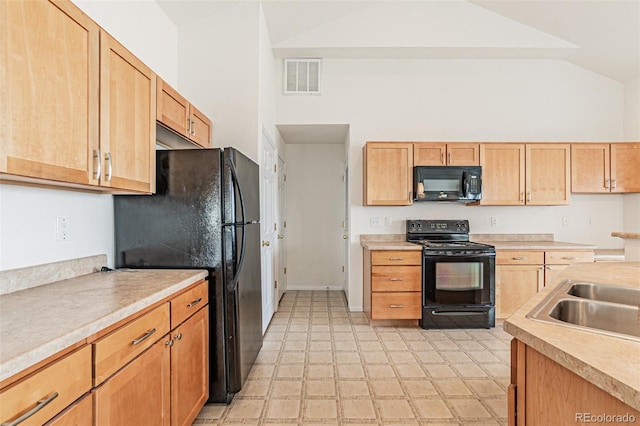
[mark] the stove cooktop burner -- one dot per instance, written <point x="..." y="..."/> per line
<point x="452" y="245"/>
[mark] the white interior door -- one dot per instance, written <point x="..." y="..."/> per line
<point x="345" y="228"/>
<point x="281" y="274"/>
<point x="268" y="226"/>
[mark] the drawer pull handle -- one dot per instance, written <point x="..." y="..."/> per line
<point x="195" y="302"/>
<point x="396" y="258"/>
<point x="396" y="279"/>
<point x="570" y="258"/>
<point x="39" y="406"/>
<point x="396" y="306"/>
<point x="518" y="258"/>
<point x="144" y="337"/>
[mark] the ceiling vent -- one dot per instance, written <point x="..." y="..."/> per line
<point x="302" y="76"/>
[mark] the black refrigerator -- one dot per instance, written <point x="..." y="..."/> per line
<point x="205" y="214"/>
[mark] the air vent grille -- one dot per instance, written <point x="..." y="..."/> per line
<point x="302" y="76"/>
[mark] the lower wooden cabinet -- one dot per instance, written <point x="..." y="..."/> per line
<point x="190" y="368"/>
<point x="168" y="383"/>
<point x="139" y="394"/>
<point x="48" y="391"/>
<point x="520" y="274"/>
<point x="393" y="284"/>
<point x="543" y="392"/>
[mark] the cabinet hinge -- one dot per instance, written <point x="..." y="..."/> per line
<point x="343" y="178"/>
<point x="343" y="269"/>
<point x="285" y="178"/>
<point x="275" y="283"/>
<point x="285" y="270"/>
<point x="275" y="168"/>
<point x="285" y="224"/>
<point x="275" y="227"/>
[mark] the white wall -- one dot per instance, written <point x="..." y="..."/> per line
<point x="632" y="133"/>
<point x="143" y="28"/>
<point x="467" y="100"/>
<point x="315" y="194"/>
<point x="218" y="58"/>
<point x="27" y="214"/>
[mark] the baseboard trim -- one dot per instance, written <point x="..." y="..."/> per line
<point x="315" y="287"/>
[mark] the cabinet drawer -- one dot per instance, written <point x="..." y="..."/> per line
<point x="519" y="257"/>
<point x="116" y="349"/>
<point x="407" y="305"/>
<point x="396" y="257"/>
<point x="567" y="257"/>
<point x="188" y="303"/>
<point x="69" y="377"/>
<point x="80" y="413"/>
<point x="396" y="278"/>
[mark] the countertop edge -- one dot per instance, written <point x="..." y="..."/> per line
<point x="15" y="365"/>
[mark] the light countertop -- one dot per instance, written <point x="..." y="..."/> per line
<point x="522" y="242"/>
<point x="610" y="363"/>
<point x="41" y="321"/>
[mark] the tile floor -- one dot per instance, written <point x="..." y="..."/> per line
<point x="321" y="364"/>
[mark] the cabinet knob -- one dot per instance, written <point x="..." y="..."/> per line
<point x="266" y="244"/>
<point x="168" y="343"/>
<point x="178" y="336"/>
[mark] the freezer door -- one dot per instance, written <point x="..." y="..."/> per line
<point x="241" y="188"/>
<point x="178" y="226"/>
<point x="244" y="313"/>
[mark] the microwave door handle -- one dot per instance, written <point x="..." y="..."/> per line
<point x="465" y="185"/>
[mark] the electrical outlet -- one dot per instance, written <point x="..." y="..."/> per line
<point x="387" y="221"/>
<point x="62" y="229"/>
<point x="375" y="222"/>
<point x="494" y="221"/>
<point x="565" y="220"/>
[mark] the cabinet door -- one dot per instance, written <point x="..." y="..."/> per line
<point x="515" y="285"/>
<point x="127" y="118"/>
<point x="463" y="154"/>
<point x="79" y="414"/>
<point x="200" y="128"/>
<point x="190" y="368"/>
<point x="503" y="177"/>
<point x="590" y="167"/>
<point x="625" y="167"/>
<point x="429" y="154"/>
<point x="172" y="109"/>
<point x="139" y="394"/>
<point x="548" y="174"/>
<point x="388" y="173"/>
<point x="49" y="80"/>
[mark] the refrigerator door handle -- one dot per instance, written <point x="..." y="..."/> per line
<point x="233" y="284"/>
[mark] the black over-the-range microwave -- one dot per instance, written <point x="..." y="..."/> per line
<point x="447" y="183"/>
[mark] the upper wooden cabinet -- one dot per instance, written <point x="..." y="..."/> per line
<point x="446" y="154"/>
<point x="604" y="168"/>
<point x="503" y="174"/>
<point x="176" y="113"/>
<point x="547" y="171"/>
<point x="77" y="108"/>
<point x="49" y="58"/>
<point x="127" y="118"/>
<point x="519" y="174"/>
<point x="388" y="173"/>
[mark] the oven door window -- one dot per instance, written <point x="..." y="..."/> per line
<point x="459" y="276"/>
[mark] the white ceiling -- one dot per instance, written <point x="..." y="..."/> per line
<point x="600" y="35"/>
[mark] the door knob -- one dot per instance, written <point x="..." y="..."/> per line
<point x="280" y="236"/>
<point x="266" y="244"/>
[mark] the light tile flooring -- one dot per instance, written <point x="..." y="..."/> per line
<point x="321" y="364"/>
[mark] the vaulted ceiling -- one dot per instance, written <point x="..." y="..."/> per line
<point x="600" y="35"/>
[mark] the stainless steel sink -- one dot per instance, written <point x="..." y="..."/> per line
<point x="605" y="293"/>
<point x="598" y="308"/>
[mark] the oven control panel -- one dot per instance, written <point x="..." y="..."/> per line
<point x="437" y="226"/>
